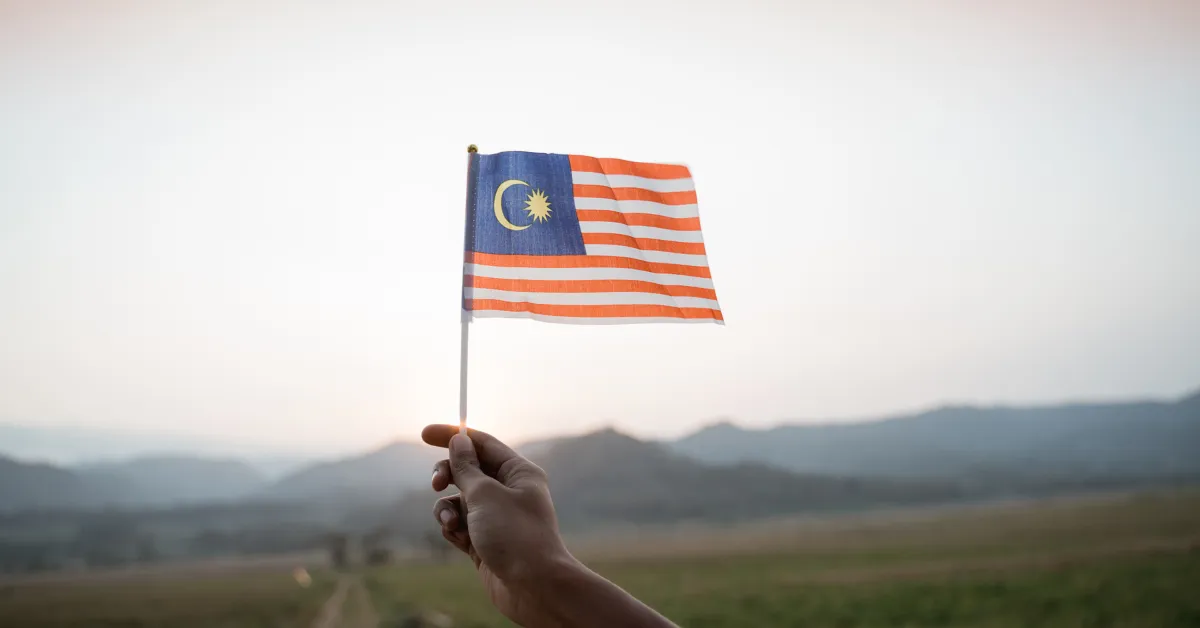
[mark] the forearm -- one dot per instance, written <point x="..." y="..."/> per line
<point x="573" y="596"/>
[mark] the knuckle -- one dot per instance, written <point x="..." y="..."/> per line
<point x="535" y="472"/>
<point x="464" y="464"/>
<point x="520" y="470"/>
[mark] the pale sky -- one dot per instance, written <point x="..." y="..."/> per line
<point x="243" y="220"/>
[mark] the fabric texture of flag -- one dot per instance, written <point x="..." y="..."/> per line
<point x="573" y="239"/>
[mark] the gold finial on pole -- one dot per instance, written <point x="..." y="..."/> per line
<point x="471" y="148"/>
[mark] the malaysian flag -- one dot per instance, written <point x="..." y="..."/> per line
<point x="573" y="239"/>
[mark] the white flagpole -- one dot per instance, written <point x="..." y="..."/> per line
<point x="462" y="373"/>
<point x="466" y="316"/>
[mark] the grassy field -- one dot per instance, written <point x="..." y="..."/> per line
<point x="180" y="599"/>
<point x="1132" y="561"/>
<point x="1147" y="590"/>
<point x="1113" y="561"/>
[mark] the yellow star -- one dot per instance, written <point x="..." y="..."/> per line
<point x="538" y="206"/>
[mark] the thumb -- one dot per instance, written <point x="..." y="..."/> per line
<point x="464" y="464"/>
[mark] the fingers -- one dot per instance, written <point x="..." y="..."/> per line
<point x="439" y="435"/>
<point x="448" y="513"/>
<point x="495" y="458"/>
<point x="462" y="541"/>
<point x="441" y="475"/>
<point x="491" y="451"/>
<point x="459" y="540"/>
<point x="464" y="465"/>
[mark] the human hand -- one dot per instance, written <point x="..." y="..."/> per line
<point x="504" y="520"/>
<point x="507" y="527"/>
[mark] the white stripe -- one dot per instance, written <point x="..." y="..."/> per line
<point x="590" y="298"/>
<point x="637" y="231"/>
<point x="581" y="274"/>
<point x="631" y="181"/>
<point x="637" y="207"/>
<point x="582" y="320"/>
<point x="661" y="257"/>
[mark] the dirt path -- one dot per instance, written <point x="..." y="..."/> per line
<point x="364" y="615"/>
<point x="331" y="612"/>
<point x="349" y="607"/>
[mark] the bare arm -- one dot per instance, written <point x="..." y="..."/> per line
<point x="578" y="596"/>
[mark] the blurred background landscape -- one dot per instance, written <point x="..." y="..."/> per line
<point x="956" y="246"/>
<point x="1068" y="500"/>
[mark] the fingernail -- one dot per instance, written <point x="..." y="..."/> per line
<point x="435" y="472"/>
<point x="445" y="516"/>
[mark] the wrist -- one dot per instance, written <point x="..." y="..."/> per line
<point x="547" y="590"/>
<point x="567" y="593"/>
<point x="548" y="570"/>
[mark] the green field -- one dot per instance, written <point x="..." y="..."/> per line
<point x="1116" y="561"/>
<point x="1155" y="590"/>
<point x="1131" y="561"/>
<point x="178" y="598"/>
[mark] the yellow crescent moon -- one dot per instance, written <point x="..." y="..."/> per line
<point x="499" y="207"/>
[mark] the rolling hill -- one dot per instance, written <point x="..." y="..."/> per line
<point x="382" y="474"/>
<point x="81" y="446"/>
<point x="152" y="482"/>
<point x="720" y="471"/>
<point x="173" y="480"/>
<point x="996" y="449"/>
<point x="609" y="476"/>
<point x="35" y="486"/>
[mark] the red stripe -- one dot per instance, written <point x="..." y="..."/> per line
<point x="636" y="194"/>
<point x="584" y="261"/>
<point x="594" y="311"/>
<point x="580" y="163"/>
<point x="638" y="220"/>
<point x="586" y="285"/>
<point x="645" y="244"/>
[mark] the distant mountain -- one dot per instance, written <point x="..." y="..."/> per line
<point x="34" y="486"/>
<point x="1016" y="449"/>
<point x="607" y="477"/>
<point x="66" y="446"/>
<point x="174" y="480"/>
<point x="381" y="474"/>
<point x="153" y="482"/>
<point x="722" y="471"/>
<point x="81" y="446"/>
<point x="536" y="448"/>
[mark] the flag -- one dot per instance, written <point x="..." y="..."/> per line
<point x="574" y="239"/>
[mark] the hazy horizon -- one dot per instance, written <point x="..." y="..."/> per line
<point x="75" y="446"/>
<point x="244" y="220"/>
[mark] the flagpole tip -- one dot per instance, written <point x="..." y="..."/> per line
<point x="471" y="148"/>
